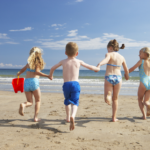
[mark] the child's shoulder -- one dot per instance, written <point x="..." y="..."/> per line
<point x="78" y="60"/>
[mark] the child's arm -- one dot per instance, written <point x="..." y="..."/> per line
<point x="126" y="70"/>
<point x="90" y="67"/>
<point x="53" y="69"/>
<point x="105" y="60"/>
<point x="135" y="66"/>
<point x="22" y="70"/>
<point x="39" y="73"/>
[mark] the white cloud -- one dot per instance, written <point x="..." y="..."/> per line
<point x="56" y="28"/>
<point x="1" y="65"/>
<point x="3" y="36"/>
<point x="87" y="24"/>
<point x="86" y="43"/>
<point x="10" y="65"/>
<point x="28" y="40"/>
<point x="11" y="42"/>
<point x="54" y="25"/>
<point x="56" y="35"/>
<point x="45" y="39"/>
<point x="60" y="25"/>
<point x="25" y="29"/>
<point x="73" y="33"/>
<point x="79" y="1"/>
<point x="57" y="25"/>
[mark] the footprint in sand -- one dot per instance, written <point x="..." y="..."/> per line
<point x="25" y="145"/>
<point x="87" y="107"/>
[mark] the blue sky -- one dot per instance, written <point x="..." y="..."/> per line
<point x="51" y="24"/>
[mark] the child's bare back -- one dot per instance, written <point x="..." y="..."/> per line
<point x="115" y="59"/>
<point x="70" y="69"/>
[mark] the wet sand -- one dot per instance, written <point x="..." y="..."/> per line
<point x="93" y="129"/>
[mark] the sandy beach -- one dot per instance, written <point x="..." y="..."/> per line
<point x="93" y="129"/>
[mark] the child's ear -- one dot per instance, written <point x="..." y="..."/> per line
<point x="65" y="52"/>
<point x="77" y="54"/>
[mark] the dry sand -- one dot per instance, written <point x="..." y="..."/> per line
<point x="93" y="129"/>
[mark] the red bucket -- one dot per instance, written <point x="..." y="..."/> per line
<point x="18" y="84"/>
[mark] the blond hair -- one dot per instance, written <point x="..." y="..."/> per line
<point x="71" y="49"/>
<point x="147" y="51"/>
<point x="115" y="45"/>
<point x="35" y="59"/>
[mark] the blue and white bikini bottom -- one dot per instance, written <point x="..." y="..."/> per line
<point x="31" y="84"/>
<point x="113" y="79"/>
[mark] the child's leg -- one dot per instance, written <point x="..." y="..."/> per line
<point x="116" y="90"/>
<point x="68" y="110"/>
<point x="146" y="101"/>
<point x="74" y="109"/>
<point x="141" y="92"/>
<point x="37" y="96"/>
<point x="108" y="87"/>
<point x="26" y="104"/>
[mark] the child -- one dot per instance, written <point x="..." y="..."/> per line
<point x="144" y="87"/>
<point x="113" y="78"/>
<point x="31" y="84"/>
<point x="71" y="87"/>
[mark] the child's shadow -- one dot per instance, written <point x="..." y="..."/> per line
<point x="80" y="121"/>
<point x="35" y="125"/>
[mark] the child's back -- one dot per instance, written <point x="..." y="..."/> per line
<point x="30" y="73"/>
<point x="146" y="65"/>
<point x="114" y="64"/>
<point x="70" y="69"/>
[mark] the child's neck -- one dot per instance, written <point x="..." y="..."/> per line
<point x="73" y="57"/>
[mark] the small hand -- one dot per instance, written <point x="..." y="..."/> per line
<point x="51" y="77"/>
<point x="98" y="69"/>
<point x="126" y="77"/>
<point x="18" y="74"/>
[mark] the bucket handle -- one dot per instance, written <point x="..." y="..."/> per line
<point x="18" y="80"/>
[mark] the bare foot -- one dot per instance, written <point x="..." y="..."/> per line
<point x="67" y="120"/>
<point x="72" y="123"/>
<point x="148" y="110"/>
<point x="144" y="118"/>
<point x="37" y="120"/>
<point x="114" y="120"/>
<point x="108" y="98"/>
<point x="21" y="110"/>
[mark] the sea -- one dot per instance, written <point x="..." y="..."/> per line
<point x="90" y="82"/>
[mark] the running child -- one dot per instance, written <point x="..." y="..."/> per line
<point x="71" y="87"/>
<point x="144" y="87"/>
<point x="31" y="84"/>
<point x="113" y="77"/>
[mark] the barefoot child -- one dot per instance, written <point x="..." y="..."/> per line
<point x="144" y="87"/>
<point x="31" y="84"/>
<point x="113" y="78"/>
<point x="71" y="87"/>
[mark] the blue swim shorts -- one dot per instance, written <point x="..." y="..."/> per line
<point x="31" y="84"/>
<point x="71" y="92"/>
